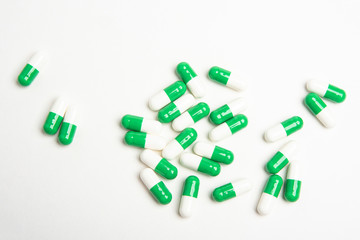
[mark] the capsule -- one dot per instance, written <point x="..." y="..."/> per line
<point x="326" y="90"/>
<point x="179" y="144"/>
<point x="200" y="164"/>
<point x="31" y="69"/>
<point x="317" y="106"/>
<point x="227" y="78"/>
<point x="55" y="116"/>
<point x="160" y="165"/>
<point x="189" y="196"/>
<point x="283" y="129"/>
<point x="281" y="158"/>
<point x="191" y="116"/>
<point x="140" y="124"/>
<point x="157" y="187"/>
<point x="228" y="128"/>
<point x="269" y="195"/>
<point x="175" y="109"/>
<point x="213" y="152"/>
<point x="68" y="127"/>
<point x="228" y="111"/>
<point x="293" y="182"/>
<point x="145" y="140"/>
<point x="191" y="79"/>
<point x="167" y="95"/>
<point x="231" y="190"/>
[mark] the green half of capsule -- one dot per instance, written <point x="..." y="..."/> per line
<point x="224" y="192"/>
<point x="175" y="90"/>
<point x="27" y="75"/>
<point x="209" y="167"/>
<point x="52" y="123"/>
<point x="168" y="113"/>
<point x="191" y="187"/>
<point x="219" y="75"/>
<point x="67" y="133"/>
<point x="276" y="163"/>
<point x="237" y="123"/>
<point x="222" y="155"/>
<point x="273" y="185"/>
<point x="292" y="190"/>
<point x="137" y="139"/>
<point x="132" y="122"/>
<point x="161" y="193"/>
<point x="186" y="137"/>
<point x="199" y="111"/>
<point x="221" y="114"/>
<point x="292" y="125"/>
<point x="166" y="169"/>
<point x="314" y="103"/>
<point x="185" y="72"/>
<point x="335" y="94"/>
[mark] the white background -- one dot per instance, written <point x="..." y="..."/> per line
<point x="109" y="57"/>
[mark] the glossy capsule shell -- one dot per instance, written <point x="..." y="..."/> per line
<point x="228" y="128"/>
<point x="317" y="106"/>
<point x="227" y="78"/>
<point x="293" y="182"/>
<point x="68" y="127"/>
<point x="179" y="144"/>
<point x="167" y="95"/>
<point x="55" y="116"/>
<point x="281" y="158"/>
<point x="283" y="129"/>
<point x="189" y="196"/>
<point x="157" y="187"/>
<point x="269" y="195"/>
<point x="213" y="152"/>
<point x="326" y="90"/>
<point x="140" y="124"/>
<point x="31" y="69"/>
<point x="191" y="116"/>
<point x="145" y="140"/>
<point x="228" y="111"/>
<point x="175" y="109"/>
<point x="191" y="79"/>
<point x="160" y="165"/>
<point x="231" y="190"/>
<point x="200" y="164"/>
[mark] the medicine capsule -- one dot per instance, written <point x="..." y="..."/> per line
<point x="213" y="152"/>
<point x="140" y="124"/>
<point x="200" y="164"/>
<point x="145" y="140"/>
<point x="179" y="144"/>
<point x="228" y="128"/>
<point x="31" y="69"/>
<point x="320" y="110"/>
<point x="175" y="109"/>
<point x="189" y="196"/>
<point x="167" y="95"/>
<point x="55" y="116"/>
<point x="326" y="90"/>
<point x="231" y="190"/>
<point x="293" y="182"/>
<point x="283" y="129"/>
<point x="68" y="127"/>
<point x="191" y="116"/>
<point x="228" y="111"/>
<point x="191" y="79"/>
<point x="227" y="78"/>
<point x="269" y="195"/>
<point x="157" y="187"/>
<point x="281" y="158"/>
<point x="160" y="165"/>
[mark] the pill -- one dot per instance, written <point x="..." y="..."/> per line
<point x="191" y="79"/>
<point x="157" y="187"/>
<point x="317" y="106"/>
<point x="31" y="69"/>
<point x="228" y="128"/>
<point x="227" y="78"/>
<point x="213" y="152"/>
<point x="283" y="129"/>
<point x="145" y="140"/>
<point x="175" y="109"/>
<point x="167" y="95"/>
<point x="68" y="127"/>
<point x="281" y="158"/>
<point x="326" y="90"/>
<point x="269" y="195"/>
<point x="189" y="196"/>
<point x="293" y="182"/>
<point x="160" y="165"/>
<point x="231" y="190"/>
<point x="55" y="116"/>
<point x="179" y="144"/>
<point x="140" y="124"/>
<point x="228" y="111"/>
<point x="200" y="164"/>
<point x="191" y="116"/>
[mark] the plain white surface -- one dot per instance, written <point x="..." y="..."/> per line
<point x="109" y="57"/>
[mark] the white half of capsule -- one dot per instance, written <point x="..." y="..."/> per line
<point x="190" y="161"/>
<point x="241" y="186"/>
<point x="150" y="158"/>
<point x="172" y="150"/>
<point x="204" y="149"/>
<point x="59" y="107"/>
<point x="318" y="87"/>
<point x="236" y="82"/>
<point x="220" y="132"/>
<point x="186" y="206"/>
<point x="289" y="149"/>
<point x="37" y="60"/>
<point x="183" y="121"/>
<point x="70" y="115"/>
<point x="158" y="101"/>
<point x="149" y="178"/>
<point x="184" y="102"/>
<point x="154" y="142"/>
<point x="294" y="171"/>
<point x="326" y="118"/>
<point x="237" y="106"/>
<point x="266" y="204"/>
<point x="196" y="87"/>
<point x="151" y="126"/>
<point x="275" y="133"/>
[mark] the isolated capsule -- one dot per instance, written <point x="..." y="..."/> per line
<point x="55" y="116"/>
<point x="269" y="195"/>
<point x="281" y="158"/>
<point x="189" y="196"/>
<point x="231" y="190"/>
<point x="293" y="182"/>
<point x="160" y="165"/>
<point x="213" y="152"/>
<point x="31" y="69"/>
<point x="167" y="95"/>
<point x="227" y="78"/>
<point x="317" y="106"/>
<point x="145" y="140"/>
<point x="179" y="144"/>
<point x="191" y="116"/>
<point x="228" y="128"/>
<point x="228" y="111"/>
<point x="200" y="164"/>
<point x="283" y="129"/>
<point x="68" y="127"/>
<point x="190" y="78"/>
<point x="140" y="124"/>
<point x="326" y="90"/>
<point x="175" y="109"/>
<point x="157" y="187"/>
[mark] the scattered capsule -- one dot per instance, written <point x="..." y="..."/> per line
<point x="228" y="128"/>
<point x="191" y="79"/>
<point x="55" y="116"/>
<point x="283" y="129"/>
<point x="31" y="69"/>
<point x="228" y="111"/>
<point x="320" y="110"/>
<point x="145" y="140"/>
<point x="269" y="195"/>
<point x="231" y="190"/>
<point x="213" y="152"/>
<point x="326" y="90"/>
<point x="179" y="144"/>
<point x="189" y="196"/>
<point x="175" y="109"/>
<point x="191" y="116"/>
<point x="281" y="158"/>
<point x="68" y="127"/>
<point x="293" y="182"/>
<point x="200" y="164"/>
<point x="160" y="165"/>
<point x="140" y="124"/>
<point x="227" y="78"/>
<point x="167" y="95"/>
<point x="157" y="187"/>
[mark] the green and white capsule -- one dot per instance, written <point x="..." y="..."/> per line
<point x="228" y="111"/>
<point x="227" y="78"/>
<point x="160" y="165"/>
<point x="269" y="195"/>
<point x="189" y="196"/>
<point x="191" y="79"/>
<point x="231" y="190"/>
<point x="284" y="129"/>
<point x="317" y="106"/>
<point x="179" y="144"/>
<point x="293" y="182"/>
<point x="175" y="109"/>
<point x="326" y="90"/>
<point x="157" y="187"/>
<point x="167" y="95"/>
<point x="140" y="124"/>
<point x="228" y="128"/>
<point x="281" y="158"/>
<point x="68" y="127"/>
<point x="145" y="140"/>
<point x="213" y="152"/>
<point x="200" y="164"/>
<point x="191" y="116"/>
<point x="31" y="69"/>
<point x="55" y="116"/>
